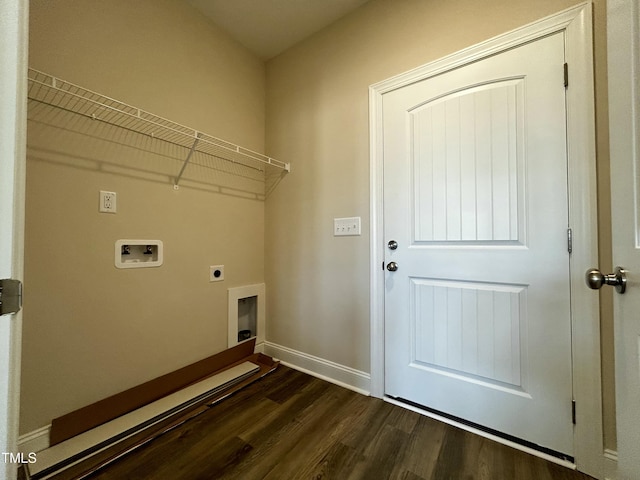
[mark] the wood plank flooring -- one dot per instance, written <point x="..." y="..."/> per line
<point x="290" y="425"/>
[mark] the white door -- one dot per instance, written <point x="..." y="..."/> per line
<point x="477" y="314"/>
<point x="13" y="41"/>
<point x="623" y="58"/>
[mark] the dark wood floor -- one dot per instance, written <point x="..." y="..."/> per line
<point x="292" y="426"/>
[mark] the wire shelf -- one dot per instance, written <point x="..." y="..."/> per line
<point x="52" y="91"/>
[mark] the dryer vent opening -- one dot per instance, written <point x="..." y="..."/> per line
<point x="247" y="318"/>
<point x="246" y="307"/>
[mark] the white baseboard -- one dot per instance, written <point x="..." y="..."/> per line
<point x="35" y="441"/>
<point x="610" y="464"/>
<point x="341" y="375"/>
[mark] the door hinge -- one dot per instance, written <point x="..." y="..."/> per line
<point x="566" y="75"/>
<point x="10" y="296"/>
<point x="573" y="411"/>
<point x="569" y="240"/>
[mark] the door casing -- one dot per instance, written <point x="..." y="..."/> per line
<point x="576" y="23"/>
<point x="14" y="21"/>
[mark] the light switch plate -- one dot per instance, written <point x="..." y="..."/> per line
<point x="343" y="227"/>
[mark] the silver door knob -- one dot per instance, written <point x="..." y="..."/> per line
<point x="596" y="279"/>
<point x="392" y="266"/>
<point x="392" y="244"/>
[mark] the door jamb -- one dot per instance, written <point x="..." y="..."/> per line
<point x="14" y="26"/>
<point x="576" y="23"/>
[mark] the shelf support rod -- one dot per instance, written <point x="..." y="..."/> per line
<point x="186" y="161"/>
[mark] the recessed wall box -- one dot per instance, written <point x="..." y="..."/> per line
<point x="246" y="309"/>
<point x="247" y="318"/>
<point x="138" y="253"/>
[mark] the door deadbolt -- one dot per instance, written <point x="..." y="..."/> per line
<point x="596" y="279"/>
<point x="392" y="244"/>
<point x="392" y="266"/>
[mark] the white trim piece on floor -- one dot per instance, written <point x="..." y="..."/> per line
<point x="39" y="439"/>
<point x="123" y="425"/>
<point x="332" y="372"/>
<point x="481" y="433"/>
<point x="34" y="441"/>
<point x="610" y="464"/>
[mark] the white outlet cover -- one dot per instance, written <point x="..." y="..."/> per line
<point x="107" y="202"/>
<point x="216" y="273"/>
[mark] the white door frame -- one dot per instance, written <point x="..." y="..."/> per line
<point x="13" y="135"/>
<point x="623" y="59"/>
<point x="576" y="23"/>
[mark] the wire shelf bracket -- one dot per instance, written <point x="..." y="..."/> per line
<point x="186" y="161"/>
<point x="55" y="92"/>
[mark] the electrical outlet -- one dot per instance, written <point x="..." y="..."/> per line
<point x="343" y="227"/>
<point x="216" y="273"/>
<point x="107" y="202"/>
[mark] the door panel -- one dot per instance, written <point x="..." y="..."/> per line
<point x="465" y="160"/>
<point x="477" y="317"/>
<point x="470" y="331"/>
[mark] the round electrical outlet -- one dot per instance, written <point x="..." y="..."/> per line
<point x="216" y="273"/>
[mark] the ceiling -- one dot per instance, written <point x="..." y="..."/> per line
<point x="269" y="27"/>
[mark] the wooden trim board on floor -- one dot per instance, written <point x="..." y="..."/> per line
<point x="86" y="418"/>
<point x="83" y="454"/>
<point x="122" y="427"/>
<point x="101" y="459"/>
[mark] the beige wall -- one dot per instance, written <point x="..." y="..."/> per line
<point x="91" y="330"/>
<point x="317" y="117"/>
